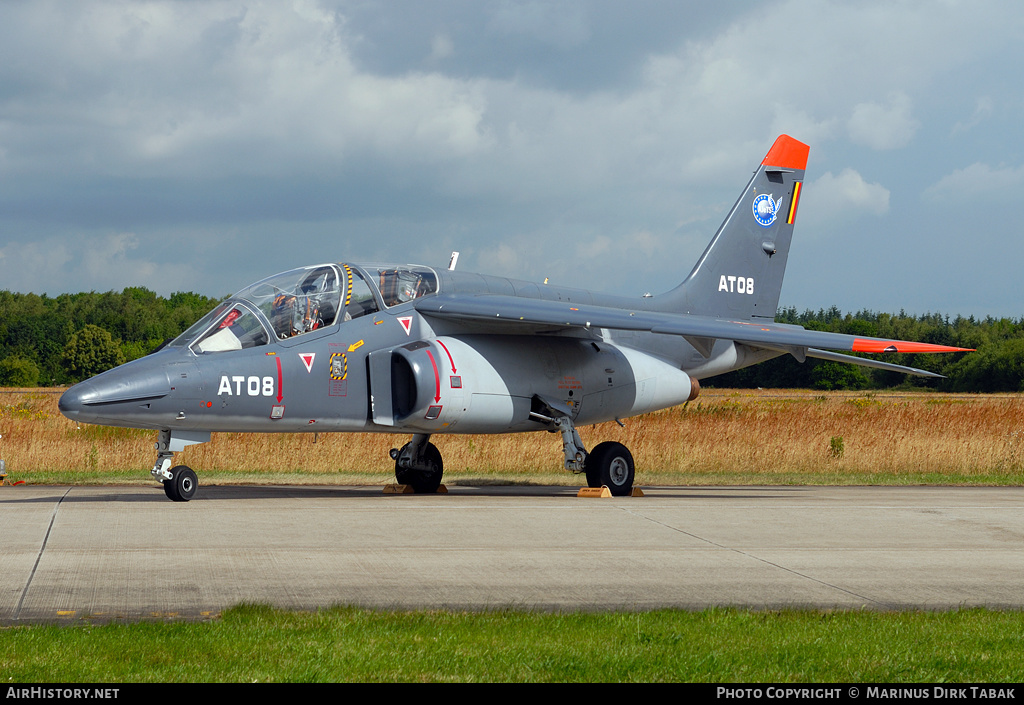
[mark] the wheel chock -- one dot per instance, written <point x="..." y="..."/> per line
<point x="603" y="491"/>
<point x="398" y="489"/>
<point x="407" y="489"/>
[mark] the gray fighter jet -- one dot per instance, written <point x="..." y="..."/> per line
<point x="422" y="351"/>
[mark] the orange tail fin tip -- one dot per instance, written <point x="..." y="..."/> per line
<point x="787" y="153"/>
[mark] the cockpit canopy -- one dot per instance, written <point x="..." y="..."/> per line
<point x="303" y="300"/>
<point x="401" y="284"/>
<point x="297" y="301"/>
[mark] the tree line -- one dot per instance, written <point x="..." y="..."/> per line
<point x="60" y="340"/>
<point x="997" y="365"/>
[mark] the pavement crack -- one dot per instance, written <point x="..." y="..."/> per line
<point x="753" y="557"/>
<point x="39" y="556"/>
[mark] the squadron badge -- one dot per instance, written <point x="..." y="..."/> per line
<point x="765" y="209"/>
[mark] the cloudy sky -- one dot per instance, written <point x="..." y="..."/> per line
<point x="199" y="146"/>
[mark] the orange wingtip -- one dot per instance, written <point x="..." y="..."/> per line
<point x="787" y="153"/>
<point x="901" y="346"/>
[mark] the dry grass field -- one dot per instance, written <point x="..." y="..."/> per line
<point x="724" y="437"/>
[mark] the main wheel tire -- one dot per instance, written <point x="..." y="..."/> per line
<point x="182" y="485"/>
<point x="423" y="479"/>
<point x="611" y="464"/>
<point x="592" y="467"/>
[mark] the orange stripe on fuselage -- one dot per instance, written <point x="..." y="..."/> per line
<point x="902" y="346"/>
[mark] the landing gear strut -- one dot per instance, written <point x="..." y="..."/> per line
<point x="609" y="465"/>
<point x="418" y="464"/>
<point x="180" y="482"/>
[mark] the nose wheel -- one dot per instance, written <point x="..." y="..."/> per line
<point x="182" y="484"/>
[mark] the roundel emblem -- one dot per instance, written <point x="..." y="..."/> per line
<point x="765" y="209"/>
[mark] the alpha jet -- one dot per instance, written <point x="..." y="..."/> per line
<point x="410" y="349"/>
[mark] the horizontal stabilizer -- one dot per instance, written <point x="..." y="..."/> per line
<point x="865" y="362"/>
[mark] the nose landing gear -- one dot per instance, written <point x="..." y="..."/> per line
<point x="182" y="485"/>
<point x="180" y="482"/>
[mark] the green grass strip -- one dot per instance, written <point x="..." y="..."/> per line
<point x="254" y="643"/>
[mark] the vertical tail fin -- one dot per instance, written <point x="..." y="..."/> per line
<point x="740" y="273"/>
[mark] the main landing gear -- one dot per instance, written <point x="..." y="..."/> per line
<point x="609" y="465"/>
<point x="418" y="464"/>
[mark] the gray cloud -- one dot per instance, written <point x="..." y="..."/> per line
<point x="576" y="140"/>
<point x="884" y="126"/>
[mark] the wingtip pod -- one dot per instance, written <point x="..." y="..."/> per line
<point x="902" y="346"/>
<point x="787" y="153"/>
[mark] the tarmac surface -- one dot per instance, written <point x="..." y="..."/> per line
<point x="103" y="553"/>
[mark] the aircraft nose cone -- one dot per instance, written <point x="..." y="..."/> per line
<point x="115" y="393"/>
<point x="73" y="401"/>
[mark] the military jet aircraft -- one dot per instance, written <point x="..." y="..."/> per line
<point x="398" y="348"/>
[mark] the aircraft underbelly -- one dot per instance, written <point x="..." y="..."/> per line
<point x="490" y="384"/>
<point x="486" y="412"/>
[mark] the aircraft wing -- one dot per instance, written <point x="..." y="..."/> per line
<point x="699" y="331"/>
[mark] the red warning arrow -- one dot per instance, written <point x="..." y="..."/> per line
<point x="437" y="379"/>
<point x="280" y="385"/>
<point x="454" y="371"/>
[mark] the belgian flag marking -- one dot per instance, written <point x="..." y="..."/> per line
<point x="793" y="202"/>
